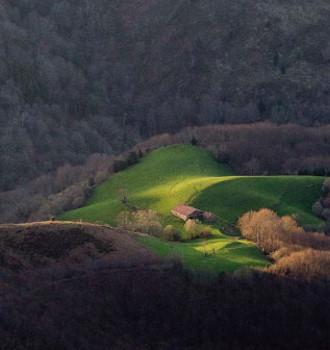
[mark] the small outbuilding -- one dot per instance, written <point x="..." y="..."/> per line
<point x="209" y="217"/>
<point x="185" y="212"/>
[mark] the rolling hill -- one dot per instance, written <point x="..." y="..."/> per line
<point x="163" y="179"/>
<point x="188" y="174"/>
<point x="30" y="247"/>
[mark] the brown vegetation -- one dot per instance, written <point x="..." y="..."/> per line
<point x="259" y="148"/>
<point x="194" y="229"/>
<point x="297" y="253"/>
<point x="144" y="221"/>
<point x="68" y="188"/>
<point x="171" y="233"/>
<point x="149" y="222"/>
<point x="304" y="264"/>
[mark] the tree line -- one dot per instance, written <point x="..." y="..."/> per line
<point x="85" y="77"/>
<point x="259" y="148"/>
<point x="252" y="149"/>
<point x="293" y="251"/>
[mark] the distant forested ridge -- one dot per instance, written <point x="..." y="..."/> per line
<point x="84" y="77"/>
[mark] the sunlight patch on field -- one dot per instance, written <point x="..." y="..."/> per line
<point x="186" y="174"/>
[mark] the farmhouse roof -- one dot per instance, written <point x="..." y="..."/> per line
<point x="185" y="210"/>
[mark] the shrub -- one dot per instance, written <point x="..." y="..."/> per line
<point x="271" y="232"/>
<point x="125" y="219"/>
<point x="132" y="158"/>
<point x="326" y="214"/>
<point x="194" y="141"/>
<point x="326" y="201"/>
<point x="100" y="177"/>
<point x="197" y="230"/>
<point x="205" y="233"/>
<point x="326" y="186"/>
<point x="125" y="161"/>
<point x="285" y="251"/>
<point x="317" y="208"/>
<point x="145" y="221"/>
<point x="262" y="227"/>
<point x="192" y="228"/>
<point x="119" y="165"/>
<point x="171" y="233"/>
<point x="209" y="217"/>
<point x="327" y="228"/>
<point x="305" y="264"/>
<point x="152" y="228"/>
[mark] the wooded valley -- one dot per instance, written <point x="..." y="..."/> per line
<point x="164" y="174"/>
<point x="84" y="77"/>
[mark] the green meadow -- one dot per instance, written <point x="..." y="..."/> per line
<point x="214" y="255"/>
<point x="186" y="174"/>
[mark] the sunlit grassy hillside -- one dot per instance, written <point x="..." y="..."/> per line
<point x="187" y="174"/>
<point x="162" y="179"/>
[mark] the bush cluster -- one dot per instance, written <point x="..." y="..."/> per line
<point x="149" y="222"/>
<point x="171" y="233"/>
<point x="195" y="229"/>
<point x="295" y="252"/>
<point x="144" y="221"/>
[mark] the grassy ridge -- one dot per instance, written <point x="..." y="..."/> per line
<point x="187" y="174"/>
<point x="284" y="194"/>
<point x="164" y="178"/>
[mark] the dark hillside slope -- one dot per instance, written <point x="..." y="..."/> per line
<point x="68" y="305"/>
<point x="80" y="77"/>
<point x="27" y="248"/>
